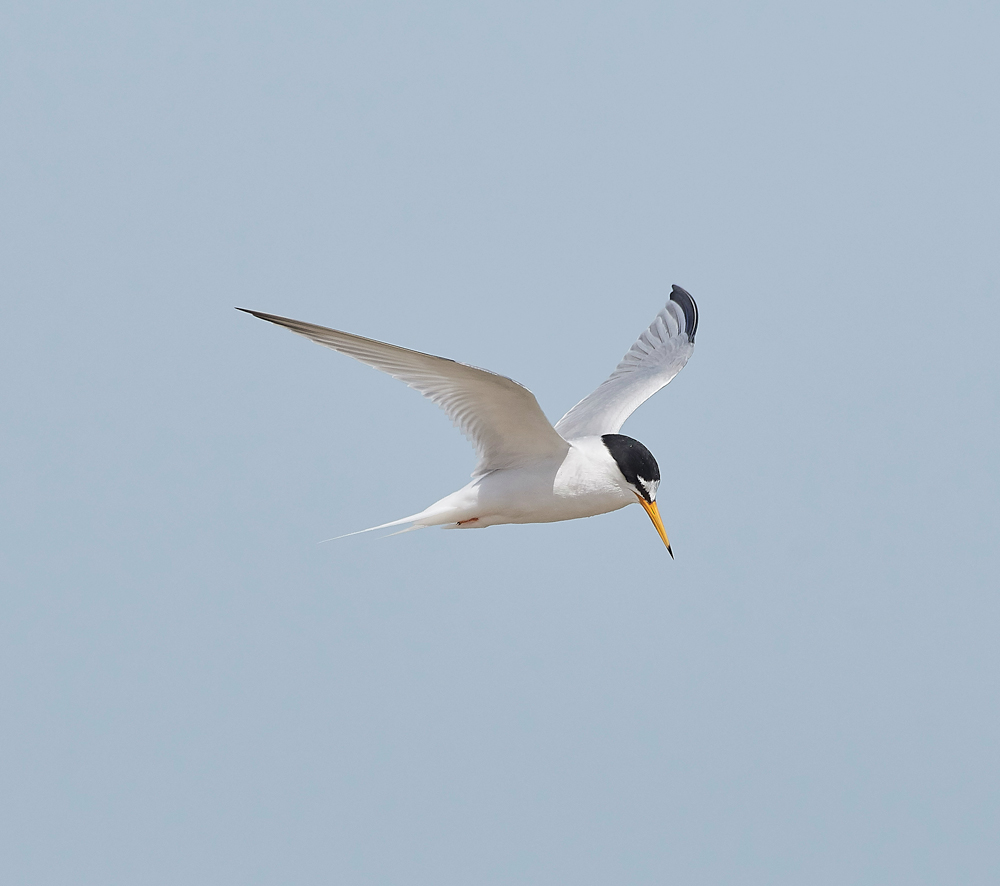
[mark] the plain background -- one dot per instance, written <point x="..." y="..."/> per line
<point x="194" y="691"/>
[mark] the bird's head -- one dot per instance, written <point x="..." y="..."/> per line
<point x="641" y="473"/>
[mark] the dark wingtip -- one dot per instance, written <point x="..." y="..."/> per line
<point x="689" y="307"/>
<point x="260" y="315"/>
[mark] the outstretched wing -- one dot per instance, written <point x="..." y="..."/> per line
<point x="658" y="355"/>
<point x="501" y="418"/>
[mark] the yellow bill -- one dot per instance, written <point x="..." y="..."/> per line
<point x="654" y="515"/>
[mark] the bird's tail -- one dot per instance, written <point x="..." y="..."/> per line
<point x="449" y="511"/>
<point x="391" y="523"/>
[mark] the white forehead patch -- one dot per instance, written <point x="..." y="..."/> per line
<point x="649" y="486"/>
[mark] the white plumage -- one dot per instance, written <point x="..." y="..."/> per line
<point x="656" y="357"/>
<point x="529" y="471"/>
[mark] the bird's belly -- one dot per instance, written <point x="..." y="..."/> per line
<point x="522" y="497"/>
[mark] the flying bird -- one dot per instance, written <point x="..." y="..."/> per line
<point x="530" y="471"/>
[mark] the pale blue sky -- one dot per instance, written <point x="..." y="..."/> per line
<point x="194" y="691"/>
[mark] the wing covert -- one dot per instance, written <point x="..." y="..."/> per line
<point x="501" y="418"/>
<point x="656" y="357"/>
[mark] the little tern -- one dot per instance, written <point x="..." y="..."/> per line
<point x="530" y="471"/>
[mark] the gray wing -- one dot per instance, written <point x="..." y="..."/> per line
<point x="658" y="355"/>
<point x="501" y="418"/>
